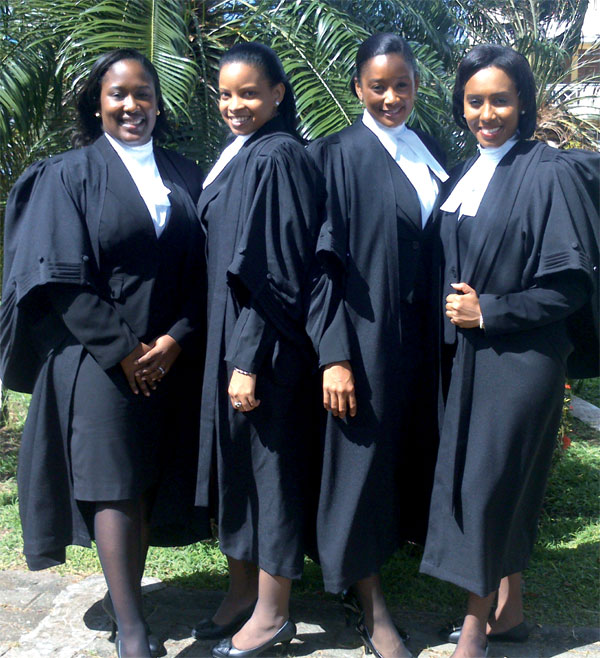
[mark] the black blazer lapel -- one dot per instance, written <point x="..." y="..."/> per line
<point x="502" y="192"/>
<point x="122" y="187"/>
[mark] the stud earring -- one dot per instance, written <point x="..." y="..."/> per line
<point x="522" y="111"/>
<point x="276" y="103"/>
<point x="157" y="113"/>
<point x="97" y="115"/>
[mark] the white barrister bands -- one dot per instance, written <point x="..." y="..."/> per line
<point x="469" y="190"/>
<point x="415" y="160"/>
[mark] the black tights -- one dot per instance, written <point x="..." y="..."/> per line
<point x="121" y="534"/>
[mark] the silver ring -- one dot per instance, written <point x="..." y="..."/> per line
<point x="237" y="404"/>
<point x="162" y="370"/>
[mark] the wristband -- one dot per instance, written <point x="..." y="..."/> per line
<point x="243" y="372"/>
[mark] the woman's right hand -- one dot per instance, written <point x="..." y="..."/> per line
<point x="129" y="368"/>
<point x="338" y="389"/>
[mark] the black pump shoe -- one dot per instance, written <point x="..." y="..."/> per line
<point x="517" y="634"/>
<point x="355" y="615"/>
<point x="157" y="648"/>
<point x="206" y="629"/>
<point x="363" y="631"/>
<point x="284" y="636"/>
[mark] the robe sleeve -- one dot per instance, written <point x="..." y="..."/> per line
<point x="94" y="323"/>
<point x="271" y="267"/>
<point x="327" y="317"/>
<point x="556" y="298"/>
<point x="560" y="234"/>
<point x="252" y="340"/>
<point x="46" y="241"/>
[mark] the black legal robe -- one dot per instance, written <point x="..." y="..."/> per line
<point x="78" y="236"/>
<point x="531" y="254"/>
<point x="261" y="219"/>
<point x="377" y="466"/>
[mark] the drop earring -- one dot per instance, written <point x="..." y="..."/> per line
<point x="97" y="115"/>
<point x="157" y="113"/>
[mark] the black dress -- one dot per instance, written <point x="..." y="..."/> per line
<point x="87" y="279"/>
<point x="531" y="254"/>
<point x="378" y="466"/>
<point x="262" y="224"/>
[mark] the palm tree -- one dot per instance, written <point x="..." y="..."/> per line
<point x="47" y="47"/>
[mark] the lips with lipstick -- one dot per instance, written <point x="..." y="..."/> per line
<point x="239" y="120"/>
<point x="132" y="122"/>
<point x="490" y="133"/>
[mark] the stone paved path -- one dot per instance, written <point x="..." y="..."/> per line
<point x="43" y="614"/>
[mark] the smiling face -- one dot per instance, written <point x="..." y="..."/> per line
<point x="492" y="106"/>
<point x="246" y="98"/>
<point x="128" y="103"/>
<point x="387" y="86"/>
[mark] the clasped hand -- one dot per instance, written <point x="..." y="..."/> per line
<point x="463" y="309"/>
<point x="146" y="365"/>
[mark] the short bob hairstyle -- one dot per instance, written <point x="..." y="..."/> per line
<point x="88" y="98"/>
<point x="263" y="58"/>
<point x="514" y="65"/>
<point x="382" y="43"/>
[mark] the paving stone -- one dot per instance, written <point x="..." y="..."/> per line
<point x="44" y="615"/>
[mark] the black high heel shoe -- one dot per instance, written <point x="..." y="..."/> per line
<point x="284" y="636"/>
<point x="206" y="629"/>
<point x="352" y="608"/>
<point x="157" y="648"/>
<point x="355" y="615"/>
<point x="363" y="631"/>
<point x="517" y="634"/>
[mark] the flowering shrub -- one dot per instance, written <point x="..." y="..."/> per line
<point x="564" y="429"/>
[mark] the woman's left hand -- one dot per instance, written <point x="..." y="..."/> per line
<point x="463" y="310"/>
<point x="157" y="362"/>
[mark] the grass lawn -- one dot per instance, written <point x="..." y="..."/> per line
<point x="587" y="389"/>
<point x="561" y="585"/>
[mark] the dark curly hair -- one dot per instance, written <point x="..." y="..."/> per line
<point x="266" y="60"/>
<point x="516" y="68"/>
<point x="89" y="126"/>
<point x="382" y="43"/>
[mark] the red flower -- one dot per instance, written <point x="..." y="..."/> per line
<point x="566" y="442"/>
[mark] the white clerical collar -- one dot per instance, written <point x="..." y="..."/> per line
<point x="390" y="137"/>
<point x="138" y="152"/>
<point x="469" y="191"/>
<point x="415" y="160"/>
<point x="229" y="152"/>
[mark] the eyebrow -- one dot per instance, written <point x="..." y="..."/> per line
<point x="400" y="77"/>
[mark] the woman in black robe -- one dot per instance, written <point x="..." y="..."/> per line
<point x="519" y="233"/>
<point x="378" y="353"/>
<point x="102" y="322"/>
<point x="259" y="210"/>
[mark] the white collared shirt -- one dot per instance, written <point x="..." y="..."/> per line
<point x="415" y="160"/>
<point x="469" y="190"/>
<point x="226" y="157"/>
<point x="141" y="164"/>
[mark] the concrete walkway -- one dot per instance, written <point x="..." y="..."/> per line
<point x="586" y="412"/>
<point x="45" y="614"/>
